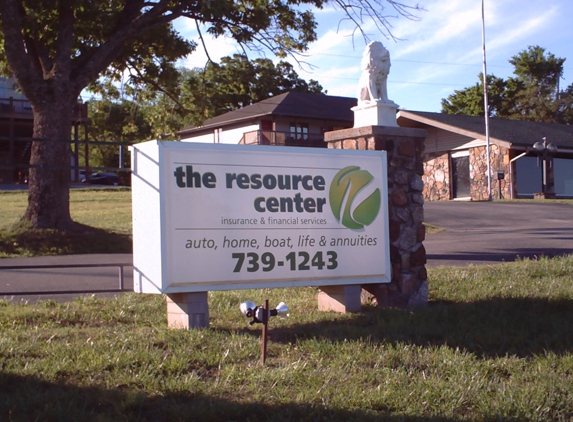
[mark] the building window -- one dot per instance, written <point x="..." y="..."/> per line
<point x="299" y="130"/>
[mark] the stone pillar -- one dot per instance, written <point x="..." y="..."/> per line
<point x="405" y="147"/>
<point x="187" y="310"/>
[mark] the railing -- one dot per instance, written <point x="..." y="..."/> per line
<point x="55" y="266"/>
<point x="270" y="137"/>
<point x="264" y="137"/>
<point x="10" y="105"/>
<point x="13" y="106"/>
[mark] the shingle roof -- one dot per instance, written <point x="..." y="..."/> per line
<point x="289" y="104"/>
<point x="518" y="133"/>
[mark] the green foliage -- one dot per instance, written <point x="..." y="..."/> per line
<point x="115" y="121"/>
<point x="469" y="101"/>
<point x="237" y="82"/>
<point x="148" y="108"/>
<point x="493" y="344"/>
<point x="530" y="95"/>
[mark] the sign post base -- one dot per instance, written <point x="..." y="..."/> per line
<point x="340" y="298"/>
<point x="187" y="310"/>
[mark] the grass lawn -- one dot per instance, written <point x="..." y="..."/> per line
<point x="107" y="211"/>
<point x="494" y="343"/>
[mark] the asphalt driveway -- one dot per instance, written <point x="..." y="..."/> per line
<point x="493" y="232"/>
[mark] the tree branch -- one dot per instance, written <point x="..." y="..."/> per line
<point x="154" y="84"/>
<point x="21" y="62"/>
<point x="62" y="60"/>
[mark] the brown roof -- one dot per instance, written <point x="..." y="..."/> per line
<point x="289" y="104"/>
<point x="517" y="133"/>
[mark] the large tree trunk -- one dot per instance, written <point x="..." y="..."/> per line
<point x="49" y="176"/>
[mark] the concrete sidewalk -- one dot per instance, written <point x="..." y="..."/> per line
<point x="23" y="284"/>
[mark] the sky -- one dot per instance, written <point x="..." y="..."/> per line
<point x="431" y="57"/>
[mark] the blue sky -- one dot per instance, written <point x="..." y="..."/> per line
<point x="437" y="54"/>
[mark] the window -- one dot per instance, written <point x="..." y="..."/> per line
<point x="299" y="130"/>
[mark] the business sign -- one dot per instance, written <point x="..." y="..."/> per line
<point x="221" y="217"/>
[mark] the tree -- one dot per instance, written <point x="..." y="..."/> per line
<point x="114" y="121"/>
<point x="139" y="110"/>
<point x="532" y="94"/>
<point x="237" y="82"/>
<point x="55" y="48"/>
<point x="538" y="73"/>
<point x="469" y="101"/>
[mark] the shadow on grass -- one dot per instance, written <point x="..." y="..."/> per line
<point x="489" y="328"/>
<point x="28" y="398"/>
<point x="25" y="241"/>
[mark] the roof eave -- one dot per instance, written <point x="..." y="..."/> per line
<point x="450" y="128"/>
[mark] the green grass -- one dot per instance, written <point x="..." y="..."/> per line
<point x="495" y="343"/>
<point x="431" y="229"/>
<point x="106" y="212"/>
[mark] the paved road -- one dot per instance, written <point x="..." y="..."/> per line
<point x="492" y="232"/>
<point x="475" y="233"/>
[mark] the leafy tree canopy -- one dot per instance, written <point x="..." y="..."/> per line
<point x="56" y="48"/>
<point x="532" y="94"/>
<point x="237" y="82"/>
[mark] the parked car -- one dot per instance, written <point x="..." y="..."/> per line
<point x="102" y="178"/>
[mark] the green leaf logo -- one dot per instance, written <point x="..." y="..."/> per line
<point x="347" y="183"/>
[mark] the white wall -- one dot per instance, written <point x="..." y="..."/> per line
<point x="208" y="138"/>
<point x="233" y="136"/>
<point x="226" y="136"/>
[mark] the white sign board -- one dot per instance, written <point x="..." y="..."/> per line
<point x="224" y="217"/>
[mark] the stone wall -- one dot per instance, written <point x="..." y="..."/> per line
<point x="437" y="174"/>
<point x="499" y="159"/>
<point x="405" y="147"/>
<point x="437" y="177"/>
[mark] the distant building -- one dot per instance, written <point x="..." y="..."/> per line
<point x="455" y="157"/>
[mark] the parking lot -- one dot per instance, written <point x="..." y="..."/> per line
<point x="492" y="232"/>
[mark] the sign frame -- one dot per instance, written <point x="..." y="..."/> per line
<point x="200" y="209"/>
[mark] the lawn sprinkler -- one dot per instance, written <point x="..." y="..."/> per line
<point x="260" y="315"/>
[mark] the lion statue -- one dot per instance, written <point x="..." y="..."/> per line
<point x="376" y="66"/>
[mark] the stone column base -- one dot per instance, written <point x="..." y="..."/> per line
<point x="187" y="310"/>
<point x="375" y="114"/>
<point x="340" y="298"/>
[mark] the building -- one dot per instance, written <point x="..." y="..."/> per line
<point x="455" y="160"/>
<point x="16" y="121"/>
<point x="291" y="119"/>
<point x="16" y="131"/>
